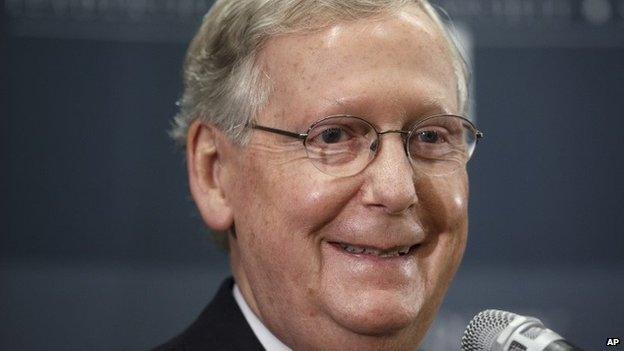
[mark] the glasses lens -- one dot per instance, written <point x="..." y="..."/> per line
<point x="341" y="145"/>
<point x="442" y="144"/>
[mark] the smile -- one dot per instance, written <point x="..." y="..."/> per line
<point x="387" y="253"/>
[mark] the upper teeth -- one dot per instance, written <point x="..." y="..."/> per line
<point x="381" y="253"/>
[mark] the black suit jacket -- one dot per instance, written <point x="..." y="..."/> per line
<point x="220" y="326"/>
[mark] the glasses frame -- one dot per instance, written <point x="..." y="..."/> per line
<point x="406" y="134"/>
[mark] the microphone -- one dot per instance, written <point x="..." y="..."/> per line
<point x="495" y="330"/>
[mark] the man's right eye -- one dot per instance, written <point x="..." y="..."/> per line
<point x="333" y="135"/>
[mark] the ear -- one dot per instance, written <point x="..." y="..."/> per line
<point x="204" y="164"/>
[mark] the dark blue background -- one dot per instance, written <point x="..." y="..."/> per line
<point x="102" y="249"/>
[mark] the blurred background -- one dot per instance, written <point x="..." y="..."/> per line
<point x="102" y="249"/>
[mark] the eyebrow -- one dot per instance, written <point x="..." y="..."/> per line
<point x="419" y="110"/>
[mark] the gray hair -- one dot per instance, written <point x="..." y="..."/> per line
<point x="223" y="85"/>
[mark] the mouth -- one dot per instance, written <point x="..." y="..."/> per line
<point x="397" y="251"/>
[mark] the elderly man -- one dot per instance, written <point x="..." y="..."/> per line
<point x="326" y="141"/>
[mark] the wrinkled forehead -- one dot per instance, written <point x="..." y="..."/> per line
<point x="352" y="63"/>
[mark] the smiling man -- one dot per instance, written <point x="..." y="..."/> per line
<point x="327" y="140"/>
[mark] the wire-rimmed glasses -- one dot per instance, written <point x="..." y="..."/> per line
<point x="344" y="145"/>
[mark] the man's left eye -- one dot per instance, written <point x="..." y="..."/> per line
<point x="429" y="136"/>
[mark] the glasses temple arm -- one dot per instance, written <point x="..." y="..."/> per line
<point x="279" y="131"/>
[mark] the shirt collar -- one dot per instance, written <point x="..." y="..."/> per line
<point x="266" y="338"/>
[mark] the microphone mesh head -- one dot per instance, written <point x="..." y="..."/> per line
<point x="484" y="328"/>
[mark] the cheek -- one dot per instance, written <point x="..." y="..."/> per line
<point x="445" y="202"/>
<point x="279" y="210"/>
<point x="296" y="202"/>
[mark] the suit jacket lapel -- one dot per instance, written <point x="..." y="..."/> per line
<point x="220" y="326"/>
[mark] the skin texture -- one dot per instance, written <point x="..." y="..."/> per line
<point x="391" y="70"/>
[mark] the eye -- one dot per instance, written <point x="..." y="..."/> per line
<point x="340" y="134"/>
<point x="441" y="142"/>
<point x="429" y="136"/>
<point x="333" y="135"/>
<point x="431" y="142"/>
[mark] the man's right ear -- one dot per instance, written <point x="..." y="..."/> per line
<point x="204" y="164"/>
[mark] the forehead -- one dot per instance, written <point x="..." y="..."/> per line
<point x="396" y="62"/>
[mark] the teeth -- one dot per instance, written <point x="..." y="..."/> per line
<point x="352" y="249"/>
<point x="370" y="251"/>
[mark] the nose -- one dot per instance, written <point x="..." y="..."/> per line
<point x="389" y="180"/>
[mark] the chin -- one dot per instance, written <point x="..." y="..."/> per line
<point x="377" y="313"/>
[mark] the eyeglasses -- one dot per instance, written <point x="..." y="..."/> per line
<point x="343" y="145"/>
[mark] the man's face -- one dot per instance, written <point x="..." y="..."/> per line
<point x="289" y="217"/>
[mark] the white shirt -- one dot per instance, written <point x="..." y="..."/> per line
<point x="267" y="339"/>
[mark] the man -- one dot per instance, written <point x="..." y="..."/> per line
<point x="326" y="139"/>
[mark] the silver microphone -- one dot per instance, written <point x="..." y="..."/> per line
<point x="495" y="330"/>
